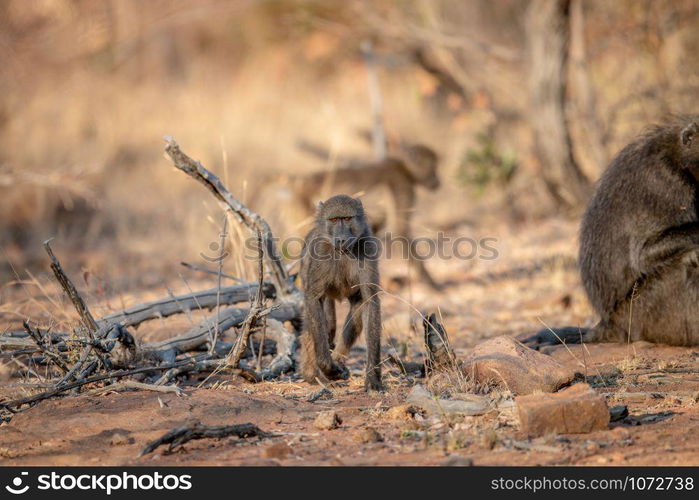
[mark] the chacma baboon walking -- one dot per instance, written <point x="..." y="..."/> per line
<point x="639" y="242"/>
<point x="415" y="166"/>
<point x="340" y="261"/>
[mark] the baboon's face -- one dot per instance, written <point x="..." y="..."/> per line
<point x="689" y="146"/>
<point x="343" y="221"/>
<point x="423" y="162"/>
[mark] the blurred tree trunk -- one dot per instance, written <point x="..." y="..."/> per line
<point x="547" y="27"/>
<point x="586" y="99"/>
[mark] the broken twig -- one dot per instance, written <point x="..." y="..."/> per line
<point x="181" y="435"/>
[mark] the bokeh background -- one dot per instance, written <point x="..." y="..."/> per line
<point x="525" y="102"/>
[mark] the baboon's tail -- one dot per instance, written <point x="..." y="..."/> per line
<point x="556" y="336"/>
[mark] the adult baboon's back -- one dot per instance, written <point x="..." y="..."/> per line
<point x="639" y="241"/>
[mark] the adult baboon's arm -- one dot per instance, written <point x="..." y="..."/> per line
<point x="670" y="245"/>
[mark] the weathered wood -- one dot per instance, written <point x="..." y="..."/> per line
<point x="15" y="404"/>
<point x="256" y="313"/>
<point x="280" y="277"/>
<point x="181" y="435"/>
<point x="72" y="292"/>
<point x="286" y="341"/>
<point x="206" y="299"/>
<point x="228" y="318"/>
<point x="93" y="330"/>
<point x="210" y="271"/>
<point x="132" y="384"/>
<point x="45" y="346"/>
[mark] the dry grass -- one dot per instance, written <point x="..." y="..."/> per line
<point x="81" y="155"/>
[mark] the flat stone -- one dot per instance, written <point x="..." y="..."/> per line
<point x="574" y="410"/>
<point x="403" y="412"/>
<point x="277" y="450"/>
<point x="457" y="461"/>
<point x="368" y="435"/>
<point x="327" y="420"/>
<point x="505" y="362"/>
<point x="419" y="396"/>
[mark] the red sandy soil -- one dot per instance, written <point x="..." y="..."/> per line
<point x="111" y="429"/>
<point x="659" y="384"/>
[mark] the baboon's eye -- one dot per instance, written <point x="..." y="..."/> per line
<point x="334" y="219"/>
<point x="347" y="219"/>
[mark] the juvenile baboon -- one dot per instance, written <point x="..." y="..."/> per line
<point x="416" y="166"/>
<point x="639" y="242"/>
<point x="340" y="262"/>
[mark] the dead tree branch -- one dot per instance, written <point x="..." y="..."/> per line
<point x="210" y="271"/>
<point x="67" y="285"/>
<point x="252" y="220"/>
<point x="206" y="299"/>
<point x="15" y="404"/>
<point x="229" y="318"/>
<point x="255" y="312"/>
<point x="45" y="347"/>
<point x="181" y="435"/>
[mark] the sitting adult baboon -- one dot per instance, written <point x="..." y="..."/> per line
<point x="639" y="242"/>
<point x="416" y="165"/>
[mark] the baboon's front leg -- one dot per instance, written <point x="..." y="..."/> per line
<point x="330" y="320"/>
<point x="351" y="329"/>
<point x="372" y="324"/>
<point x="317" y="348"/>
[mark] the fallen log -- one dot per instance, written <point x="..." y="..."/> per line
<point x="228" y="318"/>
<point x="286" y="341"/>
<point x="206" y="299"/>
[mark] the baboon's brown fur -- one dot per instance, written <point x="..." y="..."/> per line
<point x="340" y="262"/>
<point x="416" y="165"/>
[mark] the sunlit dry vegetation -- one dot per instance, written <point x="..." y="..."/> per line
<point x="89" y="89"/>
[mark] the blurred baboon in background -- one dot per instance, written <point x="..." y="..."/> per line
<point x="416" y="165"/>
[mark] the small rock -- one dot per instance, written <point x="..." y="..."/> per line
<point x="368" y="435"/>
<point x="618" y="412"/>
<point x="322" y="393"/>
<point x="457" y="461"/>
<point x="512" y="365"/>
<point x="327" y="420"/>
<point x="421" y="397"/>
<point x="402" y="412"/>
<point x="277" y="450"/>
<point x="621" y="433"/>
<point x="574" y="410"/>
<point x="120" y="439"/>
<point x="592" y="446"/>
<point x="489" y="439"/>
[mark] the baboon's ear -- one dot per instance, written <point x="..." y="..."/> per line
<point x="689" y="133"/>
<point x="320" y="206"/>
